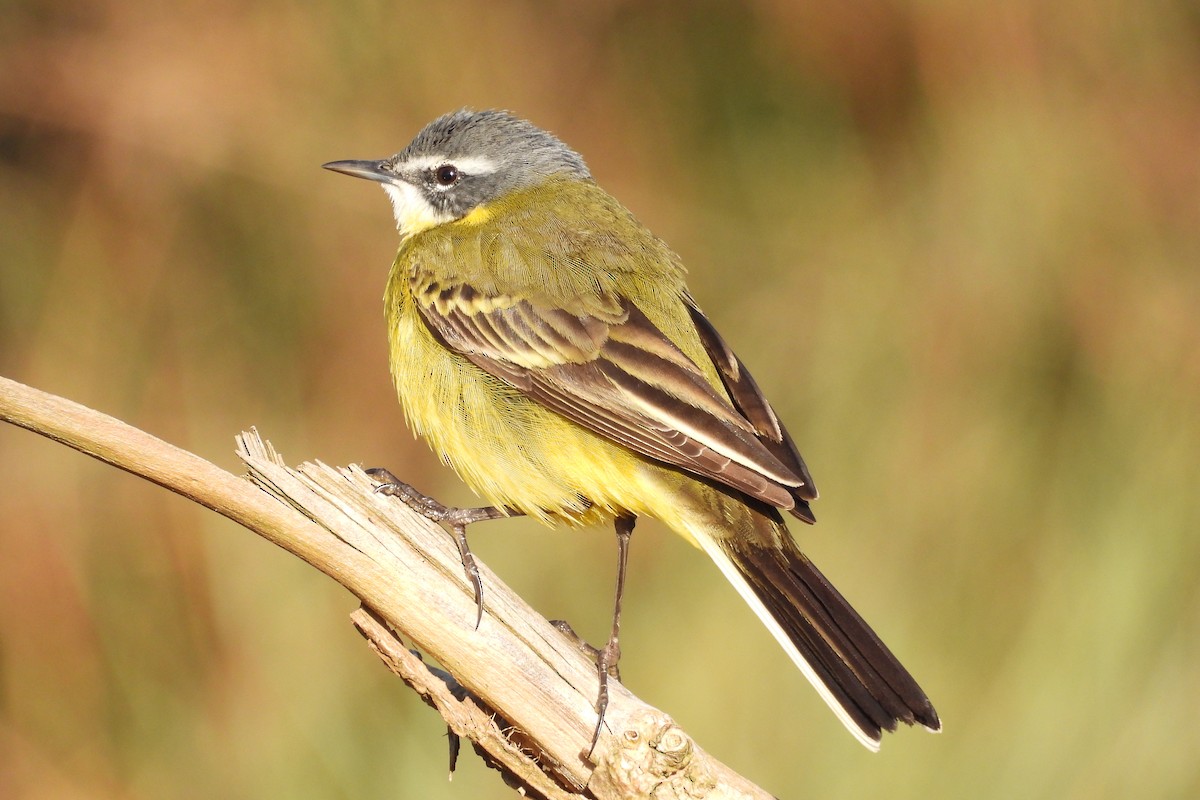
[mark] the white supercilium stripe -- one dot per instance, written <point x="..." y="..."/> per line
<point x="469" y="165"/>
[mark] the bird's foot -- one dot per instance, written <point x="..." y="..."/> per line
<point x="456" y="519"/>
<point x="594" y="653"/>
<point x="607" y="660"/>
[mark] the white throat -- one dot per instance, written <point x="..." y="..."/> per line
<point x="413" y="212"/>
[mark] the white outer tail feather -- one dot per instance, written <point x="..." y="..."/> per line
<point x="719" y="557"/>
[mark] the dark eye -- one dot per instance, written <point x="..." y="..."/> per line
<point x="447" y="175"/>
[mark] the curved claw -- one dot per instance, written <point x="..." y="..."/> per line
<point x="457" y="519"/>
<point x="469" y="566"/>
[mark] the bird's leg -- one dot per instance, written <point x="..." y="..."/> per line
<point x="457" y="519"/>
<point x="610" y="654"/>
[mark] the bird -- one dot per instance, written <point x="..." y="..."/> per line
<point x="545" y="344"/>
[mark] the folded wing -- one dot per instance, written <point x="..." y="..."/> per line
<point x="614" y="372"/>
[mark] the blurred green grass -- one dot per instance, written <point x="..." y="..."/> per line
<point x="959" y="247"/>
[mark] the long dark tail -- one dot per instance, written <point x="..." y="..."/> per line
<point x="860" y="679"/>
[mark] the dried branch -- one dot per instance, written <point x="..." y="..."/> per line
<point x="522" y="692"/>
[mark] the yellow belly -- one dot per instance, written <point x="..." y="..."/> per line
<point x="507" y="448"/>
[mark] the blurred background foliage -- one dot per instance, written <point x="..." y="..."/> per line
<point x="958" y="244"/>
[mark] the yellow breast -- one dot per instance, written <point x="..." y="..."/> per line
<point x="506" y="447"/>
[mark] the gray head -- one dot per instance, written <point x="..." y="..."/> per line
<point x="463" y="160"/>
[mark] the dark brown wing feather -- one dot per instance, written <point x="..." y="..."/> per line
<point x="750" y="401"/>
<point x="624" y="379"/>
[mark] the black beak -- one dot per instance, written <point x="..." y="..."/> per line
<point x="371" y="170"/>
